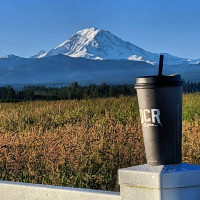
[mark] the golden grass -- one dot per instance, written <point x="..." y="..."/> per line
<point x="80" y="143"/>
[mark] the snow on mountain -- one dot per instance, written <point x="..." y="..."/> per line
<point x="11" y="59"/>
<point x="10" y="56"/>
<point x="97" y="44"/>
<point x="40" y="54"/>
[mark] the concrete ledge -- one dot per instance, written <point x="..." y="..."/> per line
<point x="164" y="182"/>
<point x="162" y="176"/>
<point x="26" y="191"/>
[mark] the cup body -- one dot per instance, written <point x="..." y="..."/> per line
<point x="160" y="104"/>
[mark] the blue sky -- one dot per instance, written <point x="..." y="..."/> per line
<point x="172" y="26"/>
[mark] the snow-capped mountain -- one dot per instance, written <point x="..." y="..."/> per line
<point x="92" y="56"/>
<point x="11" y="60"/>
<point x="93" y="43"/>
<point x="10" y="56"/>
<point x="40" y="54"/>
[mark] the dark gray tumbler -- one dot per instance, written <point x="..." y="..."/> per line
<point x="160" y="104"/>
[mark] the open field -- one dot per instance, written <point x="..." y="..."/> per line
<point x="81" y="143"/>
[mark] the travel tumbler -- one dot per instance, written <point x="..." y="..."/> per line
<point x="160" y="104"/>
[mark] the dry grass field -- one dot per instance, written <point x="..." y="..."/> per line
<point x="81" y="143"/>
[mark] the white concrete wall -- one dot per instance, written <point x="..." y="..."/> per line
<point x="26" y="191"/>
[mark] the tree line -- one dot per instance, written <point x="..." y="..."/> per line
<point x="76" y="91"/>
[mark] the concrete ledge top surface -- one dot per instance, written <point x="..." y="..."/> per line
<point x="183" y="167"/>
<point x="162" y="176"/>
<point x="27" y="191"/>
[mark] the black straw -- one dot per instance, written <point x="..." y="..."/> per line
<point x="160" y="65"/>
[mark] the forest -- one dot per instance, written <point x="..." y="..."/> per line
<point x="76" y="91"/>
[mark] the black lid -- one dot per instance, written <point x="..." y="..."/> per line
<point x="149" y="81"/>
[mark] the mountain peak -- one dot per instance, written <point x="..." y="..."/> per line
<point x="88" y="30"/>
<point x="40" y="54"/>
<point x="9" y="56"/>
<point x="94" y="43"/>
